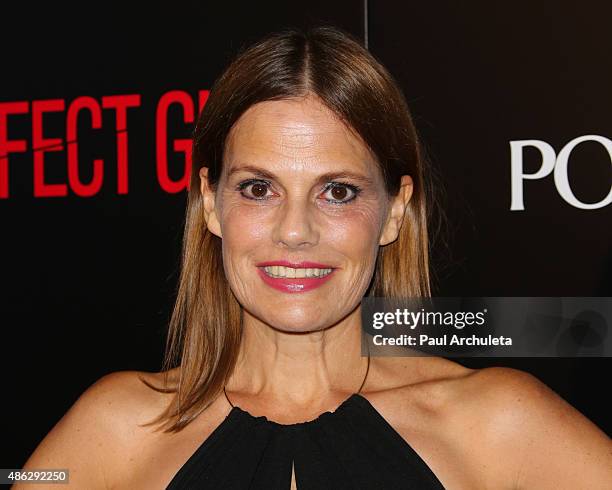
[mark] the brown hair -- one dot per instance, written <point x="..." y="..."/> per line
<point x="205" y="327"/>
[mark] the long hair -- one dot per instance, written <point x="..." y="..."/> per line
<point x="206" y="324"/>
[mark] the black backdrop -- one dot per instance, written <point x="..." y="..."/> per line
<point x="88" y="281"/>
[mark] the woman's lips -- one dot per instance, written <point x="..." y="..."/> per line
<point x="294" y="284"/>
<point x="295" y="265"/>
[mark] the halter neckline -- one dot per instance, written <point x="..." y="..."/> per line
<point x="352" y="399"/>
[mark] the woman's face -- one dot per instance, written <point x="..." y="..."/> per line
<point x="299" y="189"/>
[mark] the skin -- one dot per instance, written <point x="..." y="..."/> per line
<point x="494" y="428"/>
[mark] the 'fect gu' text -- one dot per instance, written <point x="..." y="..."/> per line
<point x="40" y="127"/>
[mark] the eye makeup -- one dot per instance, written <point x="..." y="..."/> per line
<point x="354" y="189"/>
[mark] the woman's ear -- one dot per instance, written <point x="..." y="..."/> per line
<point x="395" y="216"/>
<point x="208" y="196"/>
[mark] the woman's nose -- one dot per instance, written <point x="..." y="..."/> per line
<point x="295" y="224"/>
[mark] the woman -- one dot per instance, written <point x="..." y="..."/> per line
<point x="307" y="193"/>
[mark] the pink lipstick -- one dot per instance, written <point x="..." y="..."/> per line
<point x="294" y="284"/>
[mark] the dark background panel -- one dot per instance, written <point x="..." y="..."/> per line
<point x="478" y="75"/>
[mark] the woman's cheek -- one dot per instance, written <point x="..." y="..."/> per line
<point x="360" y="225"/>
<point x="245" y="222"/>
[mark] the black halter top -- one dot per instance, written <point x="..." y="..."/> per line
<point x="352" y="448"/>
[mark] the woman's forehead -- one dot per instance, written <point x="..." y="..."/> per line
<point x="294" y="132"/>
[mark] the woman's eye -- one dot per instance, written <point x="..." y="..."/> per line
<point x="254" y="189"/>
<point x="341" y="193"/>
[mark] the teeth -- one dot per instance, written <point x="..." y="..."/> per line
<point x="289" y="272"/>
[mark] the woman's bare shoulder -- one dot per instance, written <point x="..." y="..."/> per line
<point x="523" y="432"/>
<point x="506" y="427"/>
<point x="101" y="427"/>
<point x="127" y="392"/>
<point x="123" y="398"/>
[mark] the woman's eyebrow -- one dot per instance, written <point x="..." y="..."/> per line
<point x="326" y="177"/>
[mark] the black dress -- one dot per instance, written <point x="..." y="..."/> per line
<point x="353" y="448"/>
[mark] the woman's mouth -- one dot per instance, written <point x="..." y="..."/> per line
<point x="294" y="280"/>
<point x="279" y="271"/>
